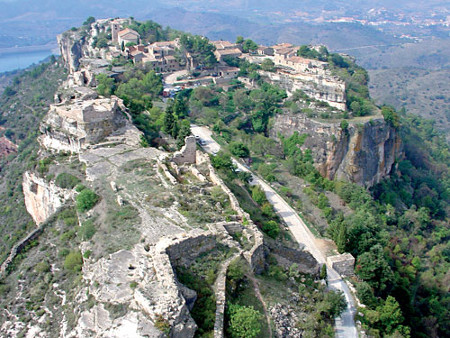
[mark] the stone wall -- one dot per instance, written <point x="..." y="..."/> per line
<point x="183" y="253"/>
<point x="187" y="154"/>
<point x="18" y="248"/>
<point x="256" y="255"/>
<point x="285" y="257"/>
<point x="343" y="264"/>
<point x="364" y="154"/>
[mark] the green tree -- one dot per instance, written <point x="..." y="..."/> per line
<point x="101" y="43"/>
<point x="373" y="268"/>
<point x="239" y="40"/>
<point x="86" y="200"/>
<point x="390" y="116"/>
<point x="222" y="161"/>
<point x="105" y="85"/>
<point x="258" y="195"/>
<point x="249" y="46"/>
<point x="323" y="272"/>
<point x="333" y="304"/>
<point x="245" y="321"/>
<point x="184" y="131"/>
<point x="390" y="315"/>
<point x="152" y="83"/>
<point x="268" y="65"/>
<point x="239" y="149"/>
<point x="169" y="121"/>
<point x="90" y="20"/>
<point x="271" y="228"/>
<point x="73" y="261"/>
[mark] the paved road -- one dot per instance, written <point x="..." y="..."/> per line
<point x="345" y="324"/>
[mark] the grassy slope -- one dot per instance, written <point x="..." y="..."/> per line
<point x="21" y="114"/>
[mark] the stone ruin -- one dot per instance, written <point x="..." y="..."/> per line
<point x="73" y="125"/>
<point x="187" y="154"/>
<point x="343" y="264"/>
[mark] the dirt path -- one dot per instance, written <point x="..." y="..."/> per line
<point x="258" y="294"/>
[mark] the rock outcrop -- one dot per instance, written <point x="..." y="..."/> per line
<point x="42" y="198"/>
<point x="364" y="153"/>
<point x="324" y="88"/>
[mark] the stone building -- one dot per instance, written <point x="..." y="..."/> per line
<point x="128" y="35"/>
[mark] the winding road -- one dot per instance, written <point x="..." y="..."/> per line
<point x="345" y="324"/>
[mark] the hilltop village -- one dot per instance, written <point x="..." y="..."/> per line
<point x="168" y="57"/>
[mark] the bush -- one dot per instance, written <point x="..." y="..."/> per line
<point x="87" y="230"/>
<point x="239" y="149"/>
<point x="73" y="261"/>
<point x="162" y="324"/>
<point x="66" y="181"/>
<point x="258" y="195"/>
<point x="221" y="160"/>
<point x="271" y="228"/>
<point x="86" y="200"/>
<point x="245" y="321"/>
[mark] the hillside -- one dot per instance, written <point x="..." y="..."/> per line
<point x="135" y="230"/>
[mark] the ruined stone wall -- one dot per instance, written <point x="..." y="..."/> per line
<point x="343" y="264"/>
<point x="187" y="153"/>
<point x="18" y="248"/>
<point x="183" y="253"/>
<point x="256" y="255"/>
<point x="287" y="256"/>
<point x="364" y="154"/>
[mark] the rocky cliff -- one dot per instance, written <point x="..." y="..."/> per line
<point x="42" y="198"/>
<point x="363" y="154"/>
<point x="324" y="88"/>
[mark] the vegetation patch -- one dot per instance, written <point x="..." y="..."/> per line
<point x="66" y="181"/>
<point x="86" y="200"/>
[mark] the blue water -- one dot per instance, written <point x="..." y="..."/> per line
<point x="13" y="61"/>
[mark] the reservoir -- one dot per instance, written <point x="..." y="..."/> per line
<point x="21" y="59"/>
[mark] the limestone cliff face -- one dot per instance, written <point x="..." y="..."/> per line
<point x="42" y="198"/>
<point x="323" y="88"/>
<point x="71" y="49"/>
<point x="364" y="154"/>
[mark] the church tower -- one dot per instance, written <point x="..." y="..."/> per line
<point x="115" y="28"/>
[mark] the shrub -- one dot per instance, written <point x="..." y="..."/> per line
<point x="344" y="125"/>
<point x="66" y="181"/>
<point x="86" y="200"/>
<point x="162" y="324"/>
<point x="271" y="228"/>
<point x="221" y="160"/>
<point x="245" y="321"/>
<point x="87" y="230"/>
<point x="43" y="267"/>
<point x="239" y="149"/>
<point x="73" y="261"/>
<point x="258" y="195"/>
